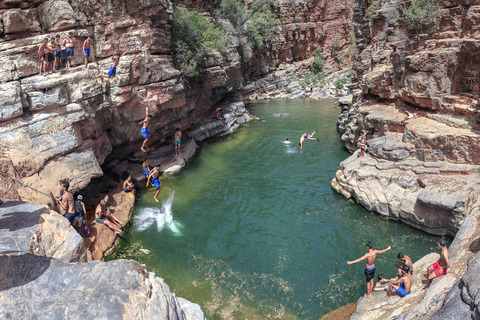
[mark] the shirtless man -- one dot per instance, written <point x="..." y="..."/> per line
<point x="67" y="202"/>
<point x="42" y="55"/>
<point x="112" y="71"/>
<point x="51" y="48"/>
<point x="128" y="185"/>
<point x="287" y="142"/>
<point x="178" y="142"/>
<point x="86" y="49"/>
<point x="144" y="131"/>
<point x="370" y="267"/>
<point x="155" y="181"/>
<point x="101" y="208"/>
<point x="58" y="53"/>
<point x="69" y="44"/>
<point x="307" y="136"/>
<point x="403" y="285"/>
<point x="107" y="213"/>
<point x="440" y="267"/>
<point x="407" y="261"/>
<point x="145" y="168"/>
<point x="363" y="143"/>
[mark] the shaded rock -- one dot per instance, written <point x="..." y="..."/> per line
<point x="19" y="21"/>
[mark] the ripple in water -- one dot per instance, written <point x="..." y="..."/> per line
<point x="148" y="216"/>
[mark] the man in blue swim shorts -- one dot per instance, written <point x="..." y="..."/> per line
<point x="155" y="180"/>
<point x="69" y="43"/>
<point x="86" y="49"/>
<point x="112" y="71"/>
<point x="145" y="168"/>
<point x="403" y="285"/>
<point x="144" y="130"/>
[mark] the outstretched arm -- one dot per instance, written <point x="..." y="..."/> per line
<point x="384" y="250"/>
<point x="358" y="260"/>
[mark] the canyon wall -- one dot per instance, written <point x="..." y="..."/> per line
<point x="421" y="169"/>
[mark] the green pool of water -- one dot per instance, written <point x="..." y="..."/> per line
<point x="251" y="229"/>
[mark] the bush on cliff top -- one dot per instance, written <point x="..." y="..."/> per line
<point x="419" y="10"/>
<point x="194" y="39"/>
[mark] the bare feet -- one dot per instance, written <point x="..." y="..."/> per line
<point x="156" y="199"/>
<point x="143" y="150"/>
<point x="367" y="296"/>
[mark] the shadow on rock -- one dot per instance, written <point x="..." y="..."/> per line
<point x="20" y="220"/>
<point x="18" y="270"/>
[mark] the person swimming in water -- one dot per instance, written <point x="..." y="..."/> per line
<point x="287" y="142"/>
<point x="307" y="136"/>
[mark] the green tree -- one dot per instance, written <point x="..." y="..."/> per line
<point x="418" y="11"/>
<point x="252" y="26"/>
<point x="318" y="62"/>
<point x="194" y="40"/>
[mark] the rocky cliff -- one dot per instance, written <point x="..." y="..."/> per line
<point x="421" y="170"/>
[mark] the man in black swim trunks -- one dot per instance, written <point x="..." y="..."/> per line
<point x="42" y="52"/>
<point x="370" y="267"/>
<point x="51" y="48"/>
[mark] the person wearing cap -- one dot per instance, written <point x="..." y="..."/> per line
<point x="403" y="285"/>
<point x="128" y="185"/>
<point x="144" y="129"/>
<point x="112" y="71"/>
<point x="80" y="212"/>
<point x="51" y="47"/>
<point x="440" y="267"/>
<point x="154" y="175"/>
<point x="42" y="52"/>
<point x="86" y="49"/>
<point x="58" y="53"/>
<point x="69" y="44"/>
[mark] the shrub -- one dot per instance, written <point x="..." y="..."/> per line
<point x="339" y="83"/>
<point x="318" y="62"/>
<point x="371" y="9"/>
<point x="419" y="10"/>
<point x="288" y="90"/>
<point x="310" y="79"/>
<point x="193" y="40"/>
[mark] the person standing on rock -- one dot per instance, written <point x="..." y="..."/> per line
<point x="42" y="56"/>
<point x="51" y="48"/>
<point x="67" y="202"/>
<point x="58" y="53"/>
<point x="144" y="131"/>
<point x="440" y="267"/>
<point x="112" y="71"/>
<point x="363" y="143"/>
<point x="80" y="213"/>
<point x="69" y="44"/>
<point x="178" y="142"/>
<point x="306" y="136"/>
<point x="86" y="49"/>
<point x="145" y="168"/>
<point x="100" y="220"/>
<point x="155" y="180"/>
<point x="407" y="261"/>
<point x="403" y="285"/>
<point x="370" y="267"/>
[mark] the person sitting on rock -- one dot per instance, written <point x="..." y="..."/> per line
<point x="370" y="266"/>
<point x="178" y="142"/>
<point x="42" y="56"/>
<point x="80" y="213"/>
<point x="220" y="115"/>
<point x="69" y="44"/>
<point x="154" y="175"/>
<point x="107" y="212"/>
<point x="409" y="116"/>
<point x="99" y="217"/>
<point x="380" y="281"/>
<point x="86" y="49"/>
<point x="51" y="48"/>
<point x="144" y="130"/>
<point x="145" y="168"/>
<point x="407" y="261"/>
<point x="128" y="185"/>
<point x="112" y="71"/>
<point x="58" y="53"/>
<point x="67" y="202"/>
<point x="403" y="285"/>
<point x="440" y="267"/>
<point x="306" y="136"/>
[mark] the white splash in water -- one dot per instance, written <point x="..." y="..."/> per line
<point x="146" y="217"/>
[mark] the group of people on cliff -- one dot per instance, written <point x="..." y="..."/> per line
<point x="402" y="285"/>
<point x="51" y="56"/>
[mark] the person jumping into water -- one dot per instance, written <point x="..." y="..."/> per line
<point x="145" y="133"/>
<point x="307" y="136"/>
<point x="370" y="267"/>
<point x="145" y="168"/>
<point x="155" y="181"/>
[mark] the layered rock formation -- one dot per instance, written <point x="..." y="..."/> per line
<point x="43" y="275"/>
<point x="421" y="170"/>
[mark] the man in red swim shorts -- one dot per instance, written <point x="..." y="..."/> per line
<point x="440" y="267"/>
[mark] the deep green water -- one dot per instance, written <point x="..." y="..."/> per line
<point x="251" y="229"/>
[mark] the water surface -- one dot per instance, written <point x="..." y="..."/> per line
<point x="251" y="229"/>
